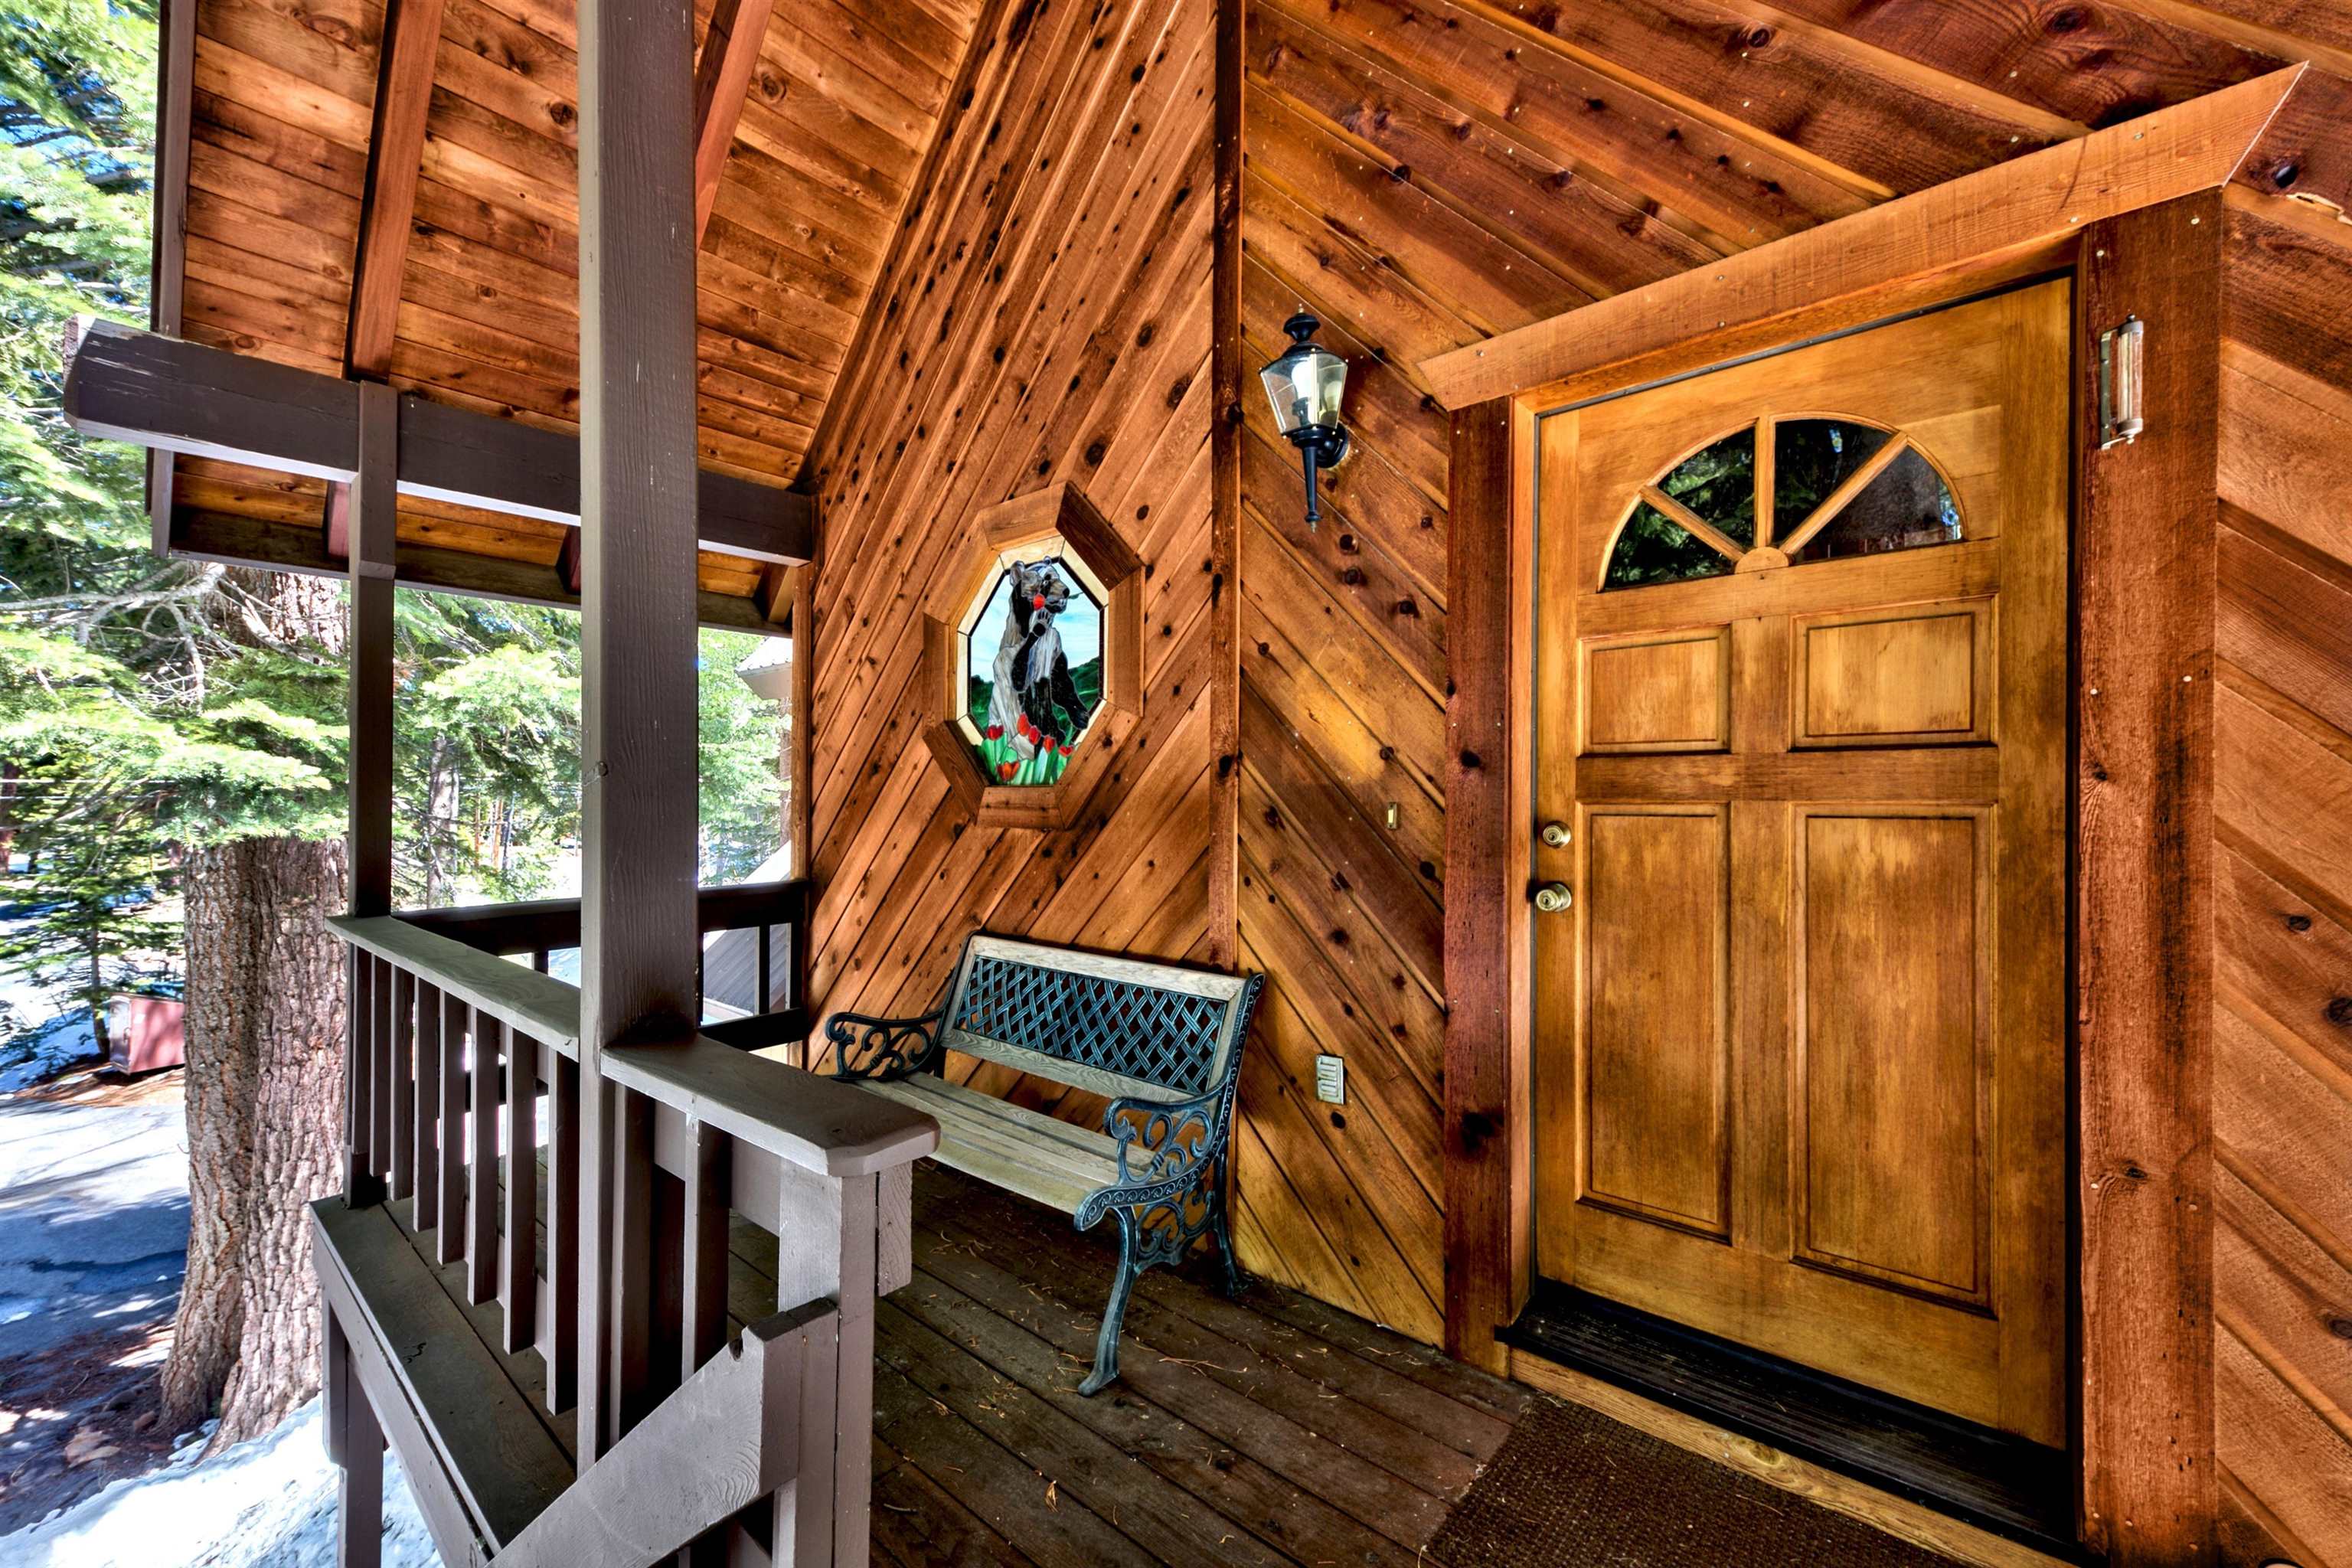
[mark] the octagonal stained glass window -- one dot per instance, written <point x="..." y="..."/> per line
<point x="1029" y="649"/>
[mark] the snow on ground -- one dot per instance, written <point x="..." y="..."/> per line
<point x="93" y="1213"/>
<point x="269" y="1503"/>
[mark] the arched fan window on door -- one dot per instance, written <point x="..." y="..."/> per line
<point x="1830" y="486"/>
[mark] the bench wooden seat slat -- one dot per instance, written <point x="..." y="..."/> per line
<point x="1162" y="1043"/>
<point x="1012" y="1151"/>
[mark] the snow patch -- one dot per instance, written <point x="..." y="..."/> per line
<point x="268" y="1503"/>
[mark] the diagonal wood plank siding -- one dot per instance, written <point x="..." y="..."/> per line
<point x="1043" y="316"/>
<point x="1423" y="173"/>
<point x="2282" y="1047"/>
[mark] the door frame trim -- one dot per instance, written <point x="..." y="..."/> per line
<point x="2140" y="936"/>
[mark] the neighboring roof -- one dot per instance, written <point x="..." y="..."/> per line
<point x="840" y="108"/>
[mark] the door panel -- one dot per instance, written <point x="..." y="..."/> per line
<point x="1656" y="1055"/>
<point x="1799" y="1044"/>
<point x="1890" y="1083"/>
<point x="1917" y="677"/>
<point x="1657" y="694"/>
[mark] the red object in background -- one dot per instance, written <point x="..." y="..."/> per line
<point x="145" y="1034"/>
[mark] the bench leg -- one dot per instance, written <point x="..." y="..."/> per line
<point x="1222" y="1230"/>
<point x="1115" y="1311"/>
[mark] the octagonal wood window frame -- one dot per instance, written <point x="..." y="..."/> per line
<point x="1058" y="520"/>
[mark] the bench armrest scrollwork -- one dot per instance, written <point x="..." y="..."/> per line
<point x="883" y="1050"/>
<point x="1164" y="1149"/>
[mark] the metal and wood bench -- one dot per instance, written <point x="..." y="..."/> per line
<point x="1165" y="1043"/>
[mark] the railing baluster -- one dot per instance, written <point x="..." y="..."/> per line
<point x="629" y="1190"/>
<point x="709" y="1175"/>
<point x="450" y="1221"/>
<point x="403" y="1083"/>
<point x="359" y="1076"/>
<point x="482" y="1145"/>
<point x="563" y="1350"/>
<point x="764" y="991"/>
<point x="519" y="1270"/>
<point x="380" y="1058"/>
<point x="429" y="1111"/>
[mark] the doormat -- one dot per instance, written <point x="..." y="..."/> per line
<point x="1572" y="1489"/>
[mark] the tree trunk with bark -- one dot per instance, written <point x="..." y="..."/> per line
<point x="264" y="1079"/>
<point x="265" y="998"/>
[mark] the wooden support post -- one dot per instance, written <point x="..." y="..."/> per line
<point x="367" y="1068"/>
<point x="827" y="1245"/>
<point x="637" y="632"/>
<point x="2145" y="570"/>
<point x="369" y="649"/>
<point x="1488" y="826"/>
<point x="357" y="1442"/>
<point x="175" y="89"/>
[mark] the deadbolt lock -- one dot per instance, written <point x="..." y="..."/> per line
<point x="1552" y="898"/>
<point x="1555" y="834"/>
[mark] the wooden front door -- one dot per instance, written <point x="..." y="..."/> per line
<point x="1799" y="1031"/>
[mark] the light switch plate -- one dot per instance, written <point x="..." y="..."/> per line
<point x="1331" y="1081"/>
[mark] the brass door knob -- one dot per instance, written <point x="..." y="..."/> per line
<point x="1555" y="834"/>
<point x="1552" y="898"/>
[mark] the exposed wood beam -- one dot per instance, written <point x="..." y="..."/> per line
<point x="1794" y="287"/>
<point x="276" y="547"/>
<point x="175" y="71"/>
<point x="179" y="396"/>
<point x="731" y="57"/>
<point x="404" y="91"/>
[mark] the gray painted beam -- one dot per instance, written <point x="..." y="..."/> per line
<point x="174" y="395"/>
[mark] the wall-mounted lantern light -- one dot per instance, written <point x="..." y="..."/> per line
<point x="1304" y="384"/>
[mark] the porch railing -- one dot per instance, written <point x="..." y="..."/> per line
<point x="761" y="979"/>
<point x="453" y="1048"/>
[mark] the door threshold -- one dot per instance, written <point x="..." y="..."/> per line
<point x="2003" y="1484"/>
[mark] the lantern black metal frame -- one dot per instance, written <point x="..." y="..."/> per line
<point x="1320" y="446"/>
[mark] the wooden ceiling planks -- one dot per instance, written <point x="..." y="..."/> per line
<point x="463" y="233"/>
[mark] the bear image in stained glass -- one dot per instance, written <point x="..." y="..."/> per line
<point x="1033" y="671"/>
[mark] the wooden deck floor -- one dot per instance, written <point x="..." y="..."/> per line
<point x="1269" y="1430"/>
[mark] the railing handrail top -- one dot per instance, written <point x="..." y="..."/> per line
<point x="540" y="1006"/>
<point x="522" y="926"/>
<point x="813" y="1121"/>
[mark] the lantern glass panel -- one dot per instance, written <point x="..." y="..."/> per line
<point x="1305" y="386"/>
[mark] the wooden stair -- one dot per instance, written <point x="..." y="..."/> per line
<point x="482" y="1463"/>
<point x="552" y="1406"/>
<point x="493" y="1479"/>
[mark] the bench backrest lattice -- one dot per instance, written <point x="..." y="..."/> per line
<point x="1115" y="1026"/>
